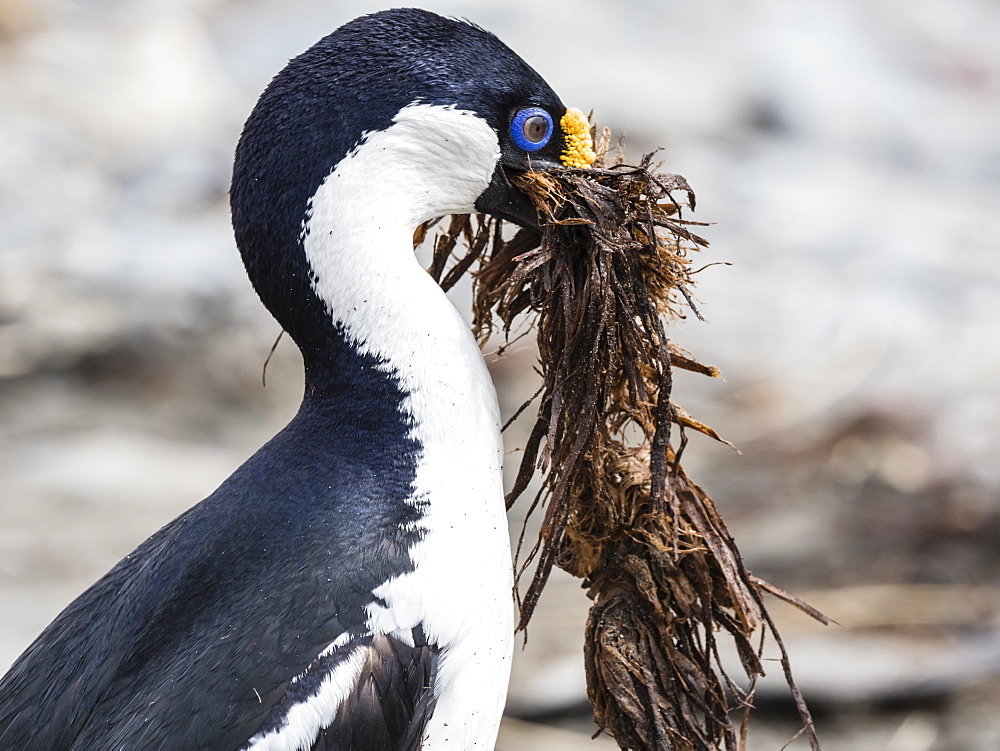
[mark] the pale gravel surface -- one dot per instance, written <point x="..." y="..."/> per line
<point x="848" y="154"/>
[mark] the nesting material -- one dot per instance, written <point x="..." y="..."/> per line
<point x="609" y="269"/>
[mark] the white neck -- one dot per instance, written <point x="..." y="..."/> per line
<point x="432" y="161"/>
<point x="358" y="240"/>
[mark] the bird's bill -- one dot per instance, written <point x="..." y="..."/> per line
<point x="504" y="200"/>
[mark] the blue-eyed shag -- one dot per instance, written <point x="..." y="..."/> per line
<point x="349" y="586"/>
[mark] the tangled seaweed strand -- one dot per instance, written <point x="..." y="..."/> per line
<point x="663" y="571"/>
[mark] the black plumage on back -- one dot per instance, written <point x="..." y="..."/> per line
<point x="181" y="641"/>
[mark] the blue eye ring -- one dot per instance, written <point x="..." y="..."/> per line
<point x="523" y="128"/>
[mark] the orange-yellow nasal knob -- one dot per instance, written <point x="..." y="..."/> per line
<point x="579" y="151"/>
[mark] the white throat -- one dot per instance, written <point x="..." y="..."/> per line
<point x="432" y="161"/>
<point x="358" y="235"/>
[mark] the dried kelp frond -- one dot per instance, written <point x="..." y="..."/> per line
<point x="665" y="575"/>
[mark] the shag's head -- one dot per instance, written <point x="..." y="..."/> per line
<point x="411" y="116"/>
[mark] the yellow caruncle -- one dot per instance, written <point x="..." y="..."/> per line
<point x="579" y="151"/>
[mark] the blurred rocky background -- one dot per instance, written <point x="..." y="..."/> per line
<point x="848" y="153"/>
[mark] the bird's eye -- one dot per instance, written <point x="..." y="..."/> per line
<point x="531" y="128"/>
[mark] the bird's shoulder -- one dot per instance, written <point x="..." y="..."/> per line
<point x="202" y="629"/>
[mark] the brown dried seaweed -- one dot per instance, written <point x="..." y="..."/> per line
<point x="611" y="264"/>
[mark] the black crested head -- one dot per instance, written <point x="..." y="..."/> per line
<point x="317" y="109"/>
